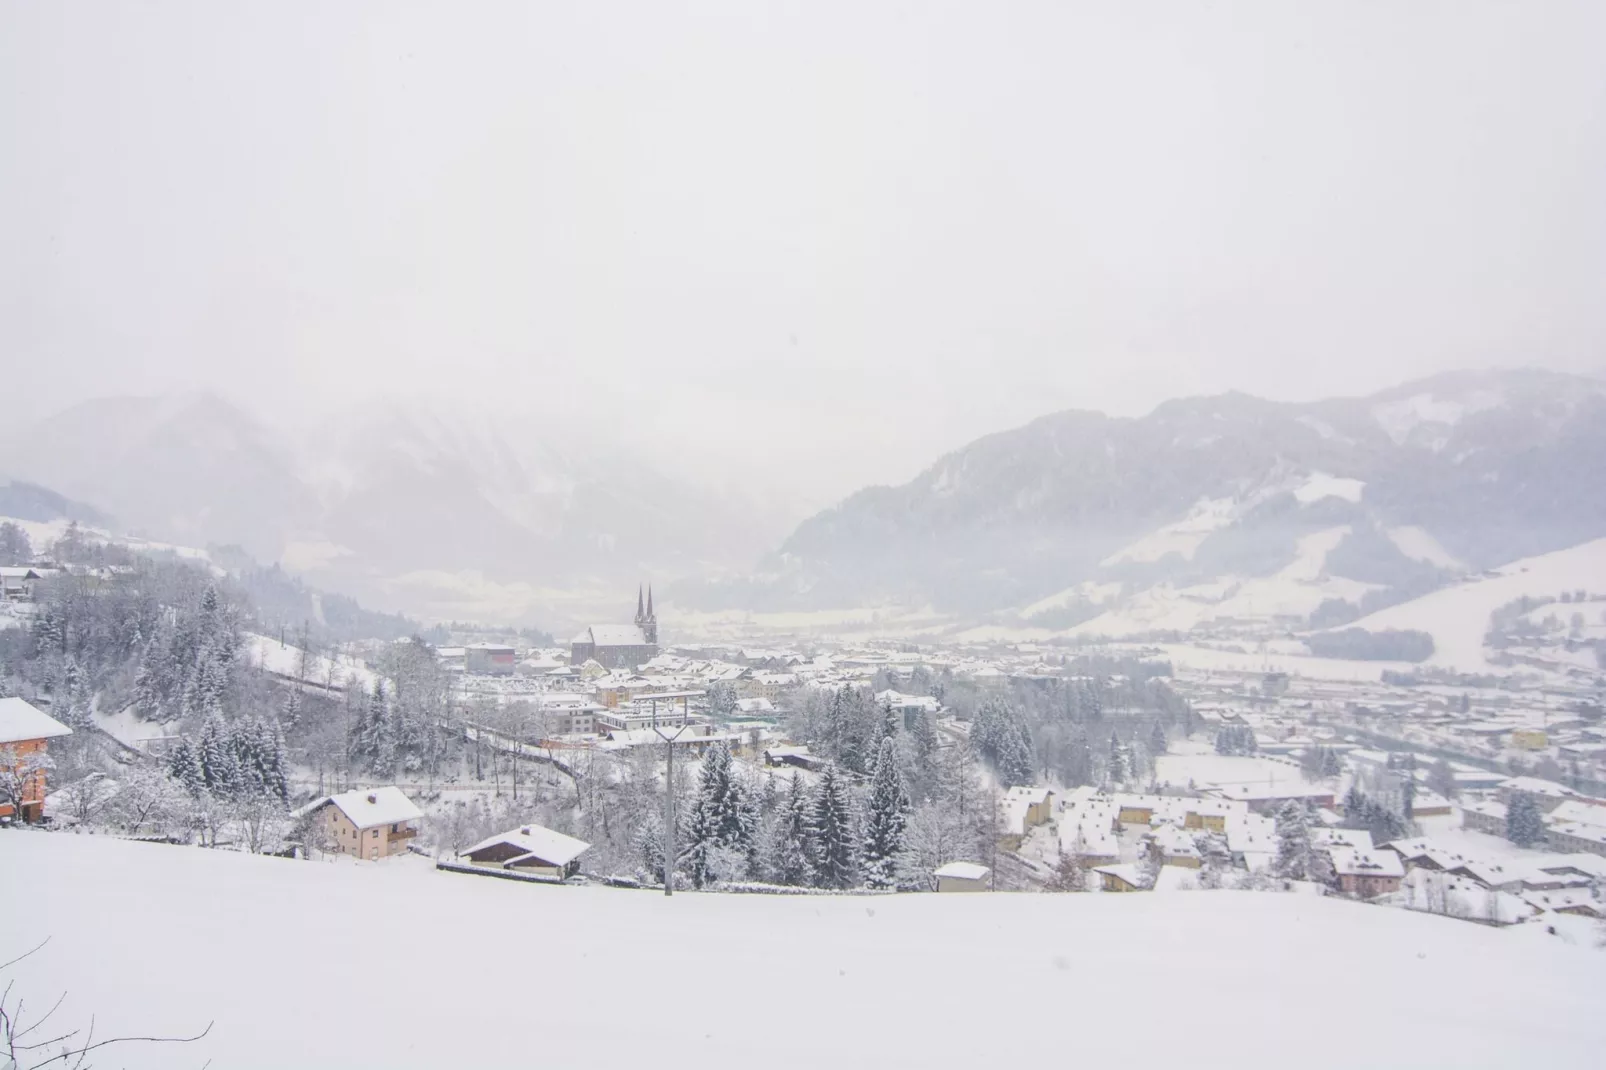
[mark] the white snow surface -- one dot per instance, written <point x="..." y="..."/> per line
<point x="160" y="940"/>
<point x="1424" y="417"/>
<point x="1419" y="545"/>
<point x="1457" y="617"/>
<point x="1293" y="591"/>
<point x="1182" y="537"/>
<point x="1321" y="485"/>
<point x="282" y="659"/>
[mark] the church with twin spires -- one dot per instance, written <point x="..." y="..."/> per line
<point x="619" y="646"/>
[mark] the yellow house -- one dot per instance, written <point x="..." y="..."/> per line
<point x="1530" y="738"/>
<point x="1120" y="878"/>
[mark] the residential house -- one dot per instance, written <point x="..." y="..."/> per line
<point x="25" y="732"/>
<point x="1547" y="793"/>
<point x="529" y="849"/>
<point x="1175" y="847"/>
<point x="1025" y="808"/>
<point x="1367" y="873"/>
<point x="1121" y="877"/>
<point x="1529" y="738"/>
<point x="1484" y="816"/>
<point x="368" y="823"/>
<point x="962" y="877"/>
<point x="18" y="582"/>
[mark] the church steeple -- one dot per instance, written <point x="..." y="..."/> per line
<point x="641" y="614"/>
<point x="649" y="623"/>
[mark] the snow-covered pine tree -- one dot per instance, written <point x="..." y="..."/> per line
<point x="1293" y="842"/>
<point x="1157" y="740"/>
<point x="886" y="821"/>
<point x="290" y="709"/>
<point x="1120" y="761"/>
<point x="1331" y="766"/>
<point x="378" y="743"/>
<point x="832" y="849"/>
<point x="184" y="766"/>
<point x="1525" y="825"/>
<point x="788" y="861"/>
<point x="1068" y="876"/>
<point x="722" y="820"/>
<point x="212" y="752"/>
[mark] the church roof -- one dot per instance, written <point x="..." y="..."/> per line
<point x="613" y="635"/>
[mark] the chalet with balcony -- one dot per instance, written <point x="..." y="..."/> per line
<point x="368" y="823"/>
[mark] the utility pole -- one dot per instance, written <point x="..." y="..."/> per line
<point x="669" y="795"/>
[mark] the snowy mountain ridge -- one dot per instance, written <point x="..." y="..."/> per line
<point x="1212" y="508"/>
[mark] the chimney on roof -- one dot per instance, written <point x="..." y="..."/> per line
<point x="372" y="797"/>
<point x="524" y="831"/>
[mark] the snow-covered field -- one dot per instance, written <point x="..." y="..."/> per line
<point x="394" y="965"/>
<point x="1224" y="769"/>
<point x="285" y="660"/>
<point x="1457" y="617"/>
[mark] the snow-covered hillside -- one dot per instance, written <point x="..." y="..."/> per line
<point x="281" y="659"/>
<point x="395" y="965"/>
<point x="1458" y="616"/>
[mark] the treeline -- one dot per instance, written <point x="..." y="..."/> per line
<point x="1358" y="644"/>
<point x="841" y="833"/>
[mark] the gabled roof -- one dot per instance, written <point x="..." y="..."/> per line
<point x="372" y="807"/>
<point x="534" y="840"/>
<point x="613" y="635"/>
<point x="20" y="720"/>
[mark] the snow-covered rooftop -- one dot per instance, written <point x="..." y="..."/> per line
<point x="968" y="871"/>
<point x="370" y="807"/>
<point x="21" y="720"/>
<point x="544" y="843"/>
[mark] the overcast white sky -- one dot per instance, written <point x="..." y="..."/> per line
<point x="818" y="240"/>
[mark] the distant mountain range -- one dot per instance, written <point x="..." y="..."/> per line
<point x="409" y="509"/>
<point x="1205" y="510"/>
<point x="1110" y="525"/>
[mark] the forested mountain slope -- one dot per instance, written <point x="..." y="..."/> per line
<point x="1076" y="512"/>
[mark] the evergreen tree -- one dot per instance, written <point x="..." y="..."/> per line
<point x="831" y="834"/>
<point x="722" y="821"/>
<point x="887" y="820"/>
<point x="1157" y="740"/>
<point x="1330" y="763"/>
<point x="184" y="766"/>
<point x="1525" y="825"/>
<point x="213" y="754"/>
<point x="378" y="741"/>
<point x="788" y="861"/>
<point x="1120" y="761"/>
<point x="1000" y="735"/>
<point x="1293" y="842"/>
<point x="290" y="710"/>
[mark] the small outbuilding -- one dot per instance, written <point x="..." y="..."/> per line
<point x="963" y="877"/>
<point x="530" y="849"/>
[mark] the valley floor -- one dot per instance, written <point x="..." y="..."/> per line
<point x="396" y="965"/>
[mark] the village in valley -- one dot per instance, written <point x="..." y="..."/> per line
<point x="792" y="765"/>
